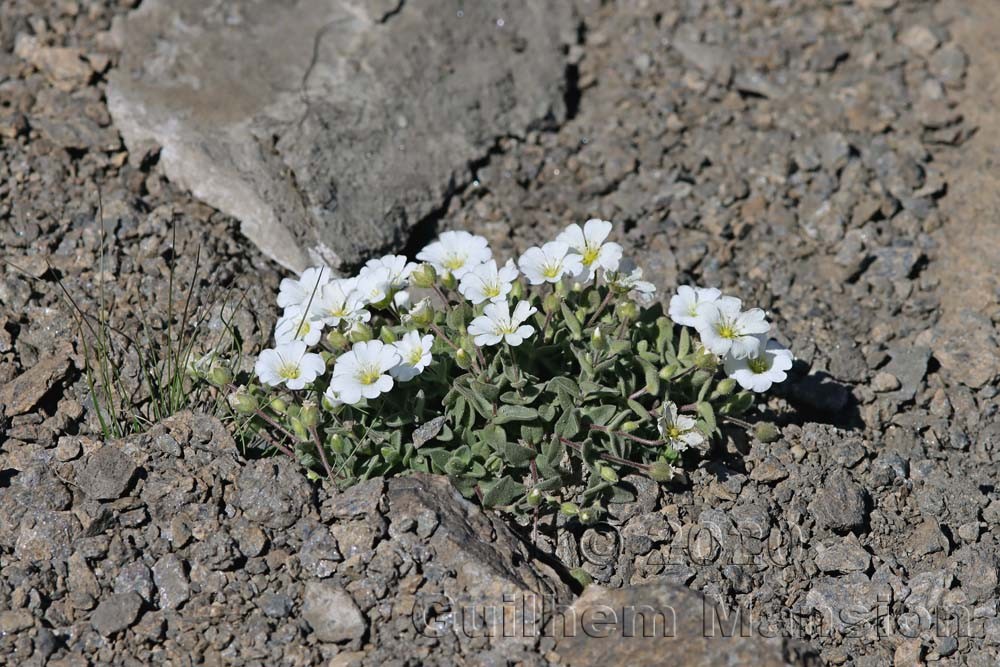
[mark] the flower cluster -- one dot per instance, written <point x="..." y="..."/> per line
<point x="534" y="383"/>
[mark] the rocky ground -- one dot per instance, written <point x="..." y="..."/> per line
<point x="830" y="161"/>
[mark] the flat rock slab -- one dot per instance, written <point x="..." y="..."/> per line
<point x="658" y="624"/>
<point x="27" y="389"/>
<point x="330" y="128"/>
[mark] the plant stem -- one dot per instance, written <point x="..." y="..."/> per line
<point x="322" y="452"/>
<point x="600" y="309"/>
<point x="628" y="436"/>
<point x="607" y="457"/>
<point x="738" y="422"/>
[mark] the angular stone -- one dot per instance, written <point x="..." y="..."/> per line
<point x="116" y="612"/>
<point x="171" y="581"/>
<point x="640" y="625"/>
<point x="332" y="613"/>
<point x="840" y="505"/>
<point x="846" y="556"/>
<point x="106" y="474"/>
<point x="329" y="128"/>
<point x="27" y="389"/>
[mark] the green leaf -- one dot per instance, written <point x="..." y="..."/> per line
<point x="651" y="376"/>
<point x="568" y="424"/>
<point x="703" y="392"/>
<point x="564" y="385"/>
<point x="684" y="345"/>
<point x="488" y="392"/>
<point x="708" y="414"/>
<point x="547" y="412"/>
<point x="574" y="324"/>
<point x="532" y="435"/>
<point x="503" y="491"/>
<point x="514" y="413"/>
<point x="484" y="409"/>
<point x="737" y="404"/>
<point x="599" y="414"/>
<point x="638" y="409"/>
<point x="517" y="455"/>
<point x="493" y="436"/>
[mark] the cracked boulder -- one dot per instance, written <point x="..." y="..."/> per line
<point x="330" y="128"/>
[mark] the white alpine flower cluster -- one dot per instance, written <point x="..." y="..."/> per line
<point x="739" y="336"/>
<point x="317" y="301"/>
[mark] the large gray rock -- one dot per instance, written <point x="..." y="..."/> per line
<point x="331" y="127"/>
<point x="657" y="624"/>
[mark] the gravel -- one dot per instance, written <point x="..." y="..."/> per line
<point x="800" y="157"/>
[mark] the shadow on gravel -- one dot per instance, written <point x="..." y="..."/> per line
<point x="818" y="397"/>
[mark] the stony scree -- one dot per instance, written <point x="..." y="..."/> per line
<point x="330" y="129"/>
<point x="828" y="160"/>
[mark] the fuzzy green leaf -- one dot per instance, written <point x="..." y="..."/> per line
<point x="514" y="413"/>
<point x="574" y="324"/>
<point x="503" y="491"/>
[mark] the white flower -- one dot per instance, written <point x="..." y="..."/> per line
<point x="401" y="300"/>
<point x="298" y="291"/>
<point x="339" y="301"/>
<point x="726" y="329"/>
<point x="679" y="430"/>
<point x="759" y="371"/>
<point x="688" y="305"/>
<point x="333" y="397"/>
<point x="588" y="242"/>
<point x="458" y="252"/>
<point x="392" y="271"/>
<point x="363" y="372"/>
<point x="415" y="352"/>
<point x="487" y="283"/>
<point x="298" y="324"/>
<point x="290" y="364"/>
<point x="628" y="278"/>
<point x="375" y="285"/>
<point x="497" y="324"/>
<point x="549" y="263"/>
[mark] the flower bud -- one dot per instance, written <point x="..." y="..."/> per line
<point x="630" y="426"/>
<point x="421" y="314"/>
<point x="534" y="497"/>
<point x="463" y="359"/>
<point x="577" y="286"/>
<point x="608" y="474"/>
<point x="598" y="340"/>
<point x="661" y="471"/>
<point x="705" y="360"/>
<point x="359" y="333"/>
<point x="299" y="429"/>
<point x="242" y="402"/>
<point x="338" y="444"/>
<point x="550" y="303"/>
<point x="569" y="509"/>
<point x="766" y="432"/>
<point x="517" y="290"/>
<point x="423" y="276"/>
<point x="219" y="376"/>
<point x="337" y="340"/>
<point x="587" y="516"/>
<point x="278" y="405"/>
<point x="309" y="414"/>
<point x="668" y="371"/>
<point x="387" y="335"/>
<point x="627" y="310"/>
<point x="725" y="387"/>
<point x="448" y="280"/>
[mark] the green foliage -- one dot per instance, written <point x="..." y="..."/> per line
<point x="552" y="424"/>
